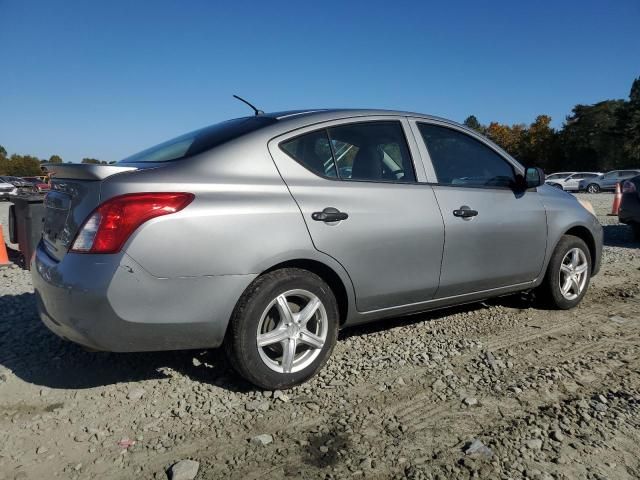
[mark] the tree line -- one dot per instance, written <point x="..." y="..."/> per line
<point x="600" y="137"/>
<point x="28" y="166"/>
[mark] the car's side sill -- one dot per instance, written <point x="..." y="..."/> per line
<point x="371" y="315"/>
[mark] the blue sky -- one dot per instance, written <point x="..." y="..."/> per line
<point x="108" y="78"/>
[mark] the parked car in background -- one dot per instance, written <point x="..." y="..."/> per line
<point x="290" y="226"/>
<point x="553" y="179"/>
<point x="7" y="190"/>
<point x="38" y="184"/>
<point x="570" y="183"/>
<point x="19" y="183"/>
<point x="607" y="181"/>
<point x="629" y="211"/>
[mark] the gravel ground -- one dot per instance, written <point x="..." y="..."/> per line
<point x="492" y="390"/>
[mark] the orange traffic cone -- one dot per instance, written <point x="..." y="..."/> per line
<point x="4" y="258"/>
<point x="616" y="200"/>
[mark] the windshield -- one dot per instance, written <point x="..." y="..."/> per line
<point x="199" y="141"/>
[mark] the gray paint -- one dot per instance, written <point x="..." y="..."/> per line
<point x="179" y="277"/>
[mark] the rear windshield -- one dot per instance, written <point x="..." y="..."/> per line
<point x="199" y="141"/>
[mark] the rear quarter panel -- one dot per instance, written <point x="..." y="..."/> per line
<point x="241" y="219"/>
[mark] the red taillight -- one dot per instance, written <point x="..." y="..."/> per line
<point x="112" y="223"/>
<point x="628" y="187"/>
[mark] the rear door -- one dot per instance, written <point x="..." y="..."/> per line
<point x="495" y="237"/>
<point x="360" y="196"/>
<point x="572" y="182"/>
<point x="609" y="180"/>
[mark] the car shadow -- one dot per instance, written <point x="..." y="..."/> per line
<point x="37" y="356"/>
<point x="516" y="300"/>
<point x="619" y="235"/>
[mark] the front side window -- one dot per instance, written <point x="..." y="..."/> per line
<point x="369" y="151"/>
<point x="611" y="175"/>
<point x="461" y="160"/>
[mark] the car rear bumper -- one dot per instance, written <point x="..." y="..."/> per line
<point x="629" y="211"/>
<point x="109" y="302"/>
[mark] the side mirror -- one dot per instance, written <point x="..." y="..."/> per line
<point x="534" y="177"/>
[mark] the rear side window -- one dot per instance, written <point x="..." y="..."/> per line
<point x="374" y="151"/>
<point x="313" y="151"/>
<point x="199" y="141"/>
<point x="366" y="151"/>
<point x="461" y="160"/>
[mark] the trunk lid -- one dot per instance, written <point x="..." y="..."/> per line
<point x="74" y="194"/>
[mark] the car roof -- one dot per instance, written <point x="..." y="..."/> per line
<point x="347" y="112"/>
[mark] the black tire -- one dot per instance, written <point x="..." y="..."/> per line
<point x="593" y="188"/>
<point x="241" y="344"/>
<point x="550" y="290"/>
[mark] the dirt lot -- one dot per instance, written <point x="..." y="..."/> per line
<point x="495" y="390"/>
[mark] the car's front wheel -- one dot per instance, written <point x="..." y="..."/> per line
<point x="283" y="329"/>
<point x="593" y="188"/>
<point x="568" y="274"/>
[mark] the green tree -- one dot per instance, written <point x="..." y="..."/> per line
<point x="592" y="137"/>
<point x="539" y="144"/>
<point x="472" y="122"/>
<point x="93" y="161"/>
<point x="22" y="166"/>
<point x="55" y="159"/>
<point x="630" y="125"/>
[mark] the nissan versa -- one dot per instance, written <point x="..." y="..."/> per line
<point x="267" y="234"/>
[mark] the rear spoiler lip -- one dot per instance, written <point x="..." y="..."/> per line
<point x="83" y="171"/>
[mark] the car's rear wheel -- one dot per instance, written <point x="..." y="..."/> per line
<point x="568" y="274"/>
<point x="283" y="329"/>
<point x="593" y="188"/>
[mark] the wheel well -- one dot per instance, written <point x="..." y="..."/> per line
<point x="327" y="274"/>
<point x="584" y="234"/>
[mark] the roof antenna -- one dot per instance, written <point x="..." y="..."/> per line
<point x="258" y="112"/>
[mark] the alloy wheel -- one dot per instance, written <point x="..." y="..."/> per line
<point x="292" y="331"/>
<point x="573" y="273"/>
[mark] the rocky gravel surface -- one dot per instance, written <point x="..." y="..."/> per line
<point x="502" y="389"/>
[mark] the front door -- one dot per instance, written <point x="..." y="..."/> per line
<point x="357" y="189"/>
<point x="495" y="236"/>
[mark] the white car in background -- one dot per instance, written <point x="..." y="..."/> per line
<point x="569" y="181"/>
<point x="7" y="190"/>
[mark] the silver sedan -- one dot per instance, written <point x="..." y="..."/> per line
<point x="268" y="234"/>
